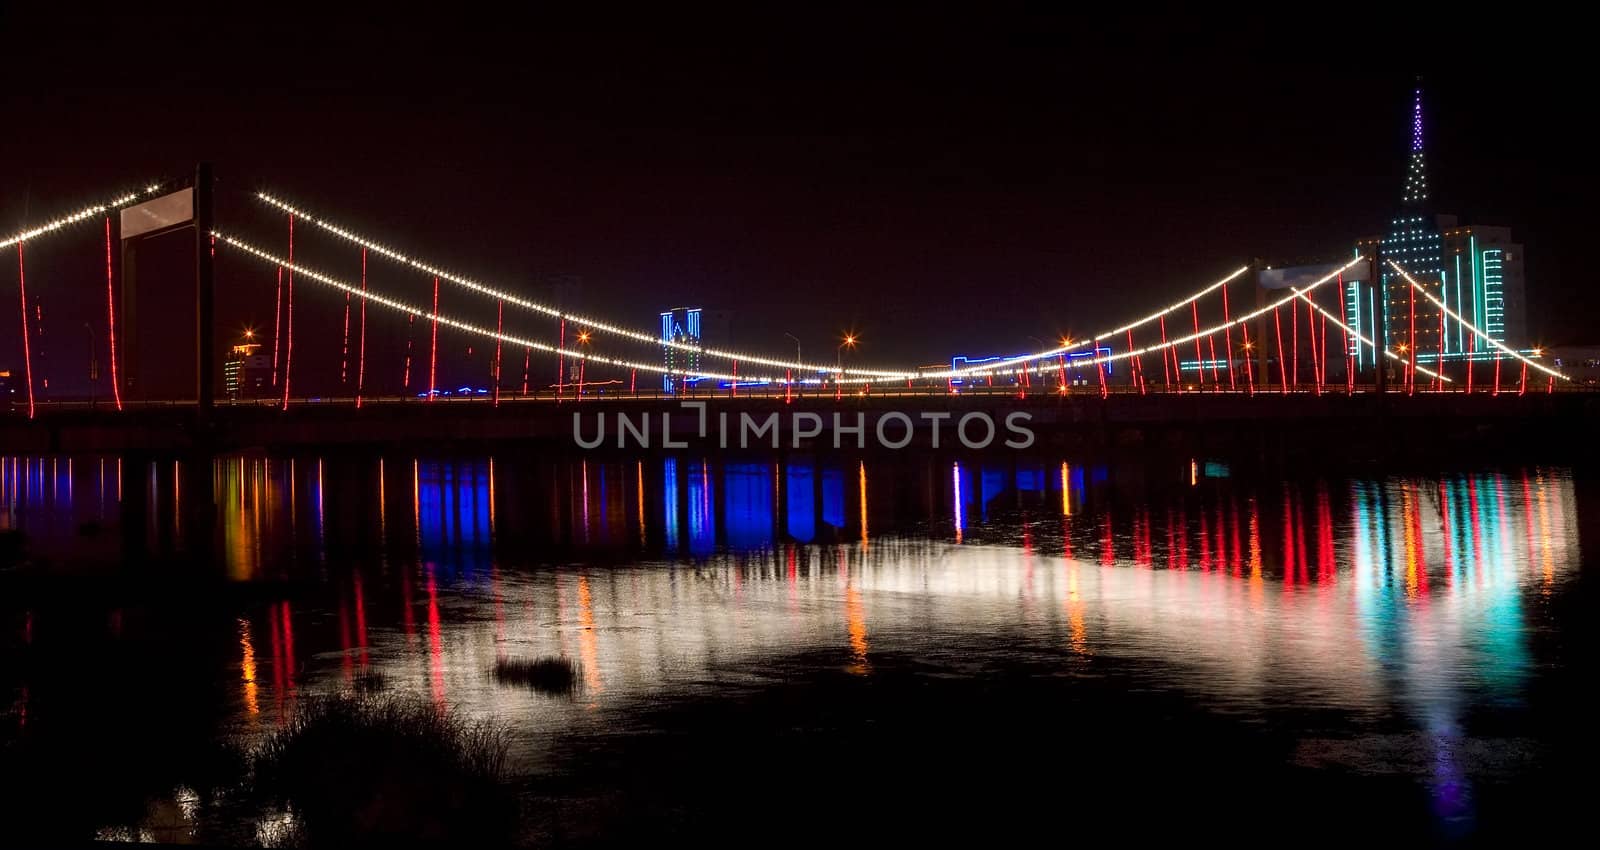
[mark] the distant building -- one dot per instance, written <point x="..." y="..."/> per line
<point x="1581" y="363"/>
<point x="246" y="373"/>
<point x="680" y="327"/>
<point x="1476" y="271"/>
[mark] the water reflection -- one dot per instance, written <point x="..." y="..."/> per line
<point x="1380" y="598"/>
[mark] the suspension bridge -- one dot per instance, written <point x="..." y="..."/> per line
<point x="359" y="323"/>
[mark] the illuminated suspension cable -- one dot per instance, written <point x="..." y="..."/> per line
<point x="1474" y="328"/>
<point x="1283" y="375"/>
<point x="1249" y="367"/>
<point x="1311" y="329"/>
<point x="27" y="352"/>
<point x="111" y="320"/>
<point x="499" y="330"/>
<point x="1111" y="334"/>
<point x="277" y="326"/>
<point x="344" y="357"/>
<point x="1228" y="339"/>
<point x="452" y="322"/>
<point x="288" y="329"/>
<point x="1166" y="371"/>
<point x="433" y="345"/>
<point x="1294" y="345"/>
<point x="1358" y="335"/>
<point x="1199" y="360"/>
<point x="361" y="358"/>
<point x="1437" y="384"/>
<point x="1185" y="340"/>
<point x="1411" y="347"/>
<point x="590" y="323"/>
<point x="73" y="218"/>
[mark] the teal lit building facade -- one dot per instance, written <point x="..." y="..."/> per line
<point x="1475" y="271"/>
<point x="680" y="326"/>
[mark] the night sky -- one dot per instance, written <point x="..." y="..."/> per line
<point x="940" y="185"/>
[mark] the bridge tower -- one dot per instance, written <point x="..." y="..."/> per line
<point x="157" y="363"/>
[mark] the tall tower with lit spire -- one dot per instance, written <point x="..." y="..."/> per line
<point x="1411" y="324"/>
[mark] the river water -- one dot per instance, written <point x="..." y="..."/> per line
<point x="825" y="647"/>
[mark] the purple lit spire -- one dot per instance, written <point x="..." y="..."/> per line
<point x="1416" y="122"/>
<point x="1416" y="172"/>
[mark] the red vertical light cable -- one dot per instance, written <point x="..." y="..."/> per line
<point x="1472" y="350"/>
<point x="1100" y="368"/>
<point x="1216" y="377"/>
<point x="277" y="327"/>
<point x="733" y="385"/>
<point x="1137" y="372"/>
<point x="361" y="356"/>
<point x="1199" y="360"/>
<point x="1344" y="335"/>
<point x="1496" y="373"/>
<point x="111" y="320"/>
<point x="1294" y="345"/>
<point x="27" y="352"/>
<point x="1522" y="388"/>
<point x="433" y="345"/>
<point x="411" y="322"/>
<point x="1061" y="368"/>
<point x="1228" y="330"/>
<point x="633" y="381"/>
<point x="499" y="330"/>
<point x="1249" y="368"/>
<point x="1166" y="372"/>
<point x="344" y="358"/>
<point x="1411" y="346"/>
<point x="527" y="358"/>
<point x="1283" y="375"/>
<point x="288" y="322"/>
<point x="561" y="360"/>
<point x="1439" y="365"/>
<point x="1311" y="328"/>
<point x="1324" y="378"/>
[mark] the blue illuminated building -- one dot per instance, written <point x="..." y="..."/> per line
<point x="1079" y="370"/>
<point x="679" y="326"/>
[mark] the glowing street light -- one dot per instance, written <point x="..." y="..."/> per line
<point x="850" y="343"/>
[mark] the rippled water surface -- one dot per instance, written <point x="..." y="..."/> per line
<point x="1408" y="646"/>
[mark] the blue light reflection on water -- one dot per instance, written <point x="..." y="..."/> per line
<point x="1409" y="596"/>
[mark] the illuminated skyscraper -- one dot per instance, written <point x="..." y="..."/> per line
<point x="1475" y="271"/>
<point x="1409" y="320"/>
<point x="679" y="326"/>
<point x="245" y="372"/>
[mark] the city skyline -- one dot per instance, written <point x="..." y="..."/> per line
<point x="819" y="233"/>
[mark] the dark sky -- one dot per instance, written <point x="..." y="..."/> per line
<point x="942" y="185"/>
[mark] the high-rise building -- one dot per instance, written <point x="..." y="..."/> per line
<point x="680" y="326"/>
<point x="1476" y="271"/>
<point x="246" y="373"/>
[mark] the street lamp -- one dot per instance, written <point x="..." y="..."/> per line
<point x="583" y="339"/>
<point x="850" y="343"/>
<point x="796" y="347"/>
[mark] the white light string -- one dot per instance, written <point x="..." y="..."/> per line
<point x="74" y="218"/>
<point x="1357" y="334"/>
<point x="1471" y="327"/>
<point x="1111" y="358"/>
<point x="1056" y="352"/>
<point x="585" y="321"/>
<point x="467" y="326"/>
